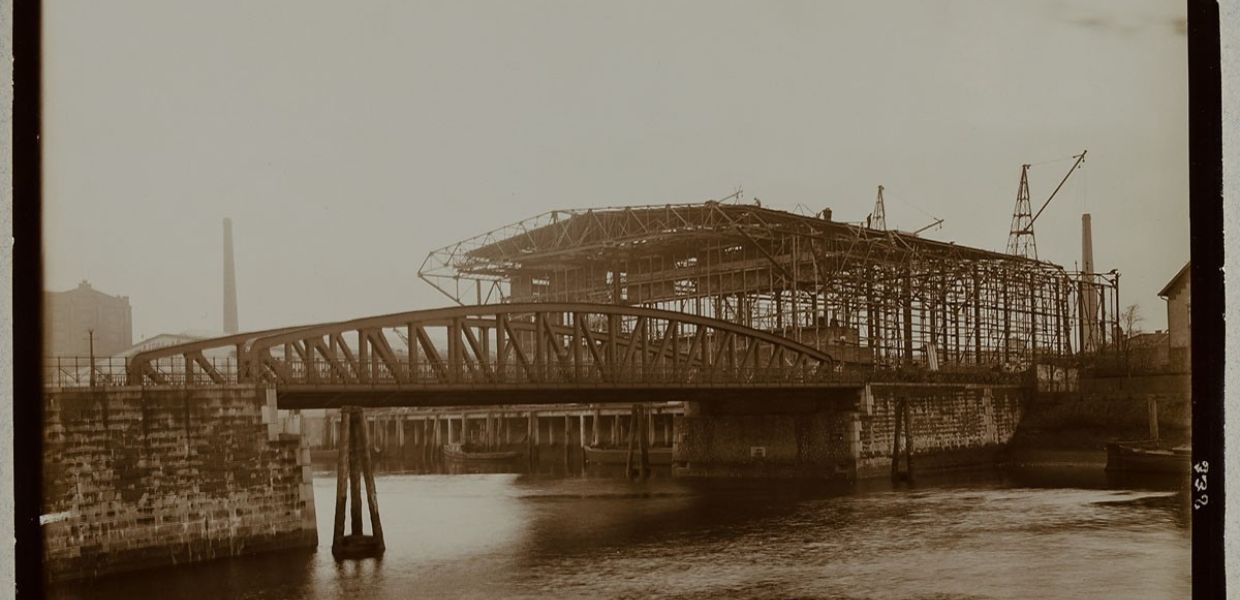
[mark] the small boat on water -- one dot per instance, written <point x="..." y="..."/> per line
<point x="468" y="453"/>
<point x="1148" y="456"/>
<point x="657" y="455"/>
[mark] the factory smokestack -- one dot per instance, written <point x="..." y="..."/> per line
<point x="230" y="281"/>
<point x="1089" y="298"/>
<point x="1087" y="245"/>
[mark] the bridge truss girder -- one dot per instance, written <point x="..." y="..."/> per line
<point x="533" y="344"/>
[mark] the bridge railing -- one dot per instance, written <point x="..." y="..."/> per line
<point x="75" y="371"/>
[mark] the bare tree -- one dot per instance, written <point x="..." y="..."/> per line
<point x="1131" y="320"/>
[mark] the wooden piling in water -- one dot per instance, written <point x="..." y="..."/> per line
<point x="354" y="464"/>
<point x="628" y="458"/>
<point x="637" y="462"/>
<point x="646" y="429"/>
<point x="908" y="440"/>
<point x="649" y="427"/>
<point x="595" y="425"/>
<point x="372" y="497"/>
<point x="342" y="478"/>
<point x="486" y="430"/>
<point x="568" y="425"/>
<point x="1152" y="407"/>
<point x="898" y="410"/>
<point x="358" y="426"/>
<point x="581" y="434"/>
<point x="531" y="438"/>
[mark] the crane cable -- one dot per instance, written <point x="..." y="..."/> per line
<point x="918" y="209"/>
<point x="1080" y="160"/>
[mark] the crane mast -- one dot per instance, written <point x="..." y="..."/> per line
<point x="878" y="217"/>
<point x="1021" y="241"/>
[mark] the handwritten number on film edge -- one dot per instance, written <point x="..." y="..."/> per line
<point x="1199" y="484"/>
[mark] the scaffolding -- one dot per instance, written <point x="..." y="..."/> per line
<point x="867" y="296"/>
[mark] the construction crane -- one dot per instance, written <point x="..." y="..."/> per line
<point x="878" y="217"/>
<point x="1021" y="241"/>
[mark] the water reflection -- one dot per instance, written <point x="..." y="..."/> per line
<point x="559" y="530"/>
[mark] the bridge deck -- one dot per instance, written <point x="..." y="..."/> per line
<point x="326" y="396"/>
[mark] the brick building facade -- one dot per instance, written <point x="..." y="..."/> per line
<point x="69" y="316"/>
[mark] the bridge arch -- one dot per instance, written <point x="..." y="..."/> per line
<point x="188" y="362"/>
<point x="512" y="344"/>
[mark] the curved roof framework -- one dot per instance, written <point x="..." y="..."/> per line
<point x="565" y="238"/>
<point x="886" y="297"/>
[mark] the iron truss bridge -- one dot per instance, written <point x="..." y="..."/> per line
<point x="503" y="354"/>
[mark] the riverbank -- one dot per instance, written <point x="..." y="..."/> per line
<point x="1074" y="428"/>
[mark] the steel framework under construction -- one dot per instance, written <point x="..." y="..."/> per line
<point x="866" y="296"/>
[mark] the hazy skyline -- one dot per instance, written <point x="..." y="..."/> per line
<point x="348" y="141"/>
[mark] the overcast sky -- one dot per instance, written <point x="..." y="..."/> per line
<point x="346" y="140"/>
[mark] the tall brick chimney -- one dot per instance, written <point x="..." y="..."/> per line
<point x="1089" y="298"/>
<point x="230" y="281"/>
<point x="1087" y="245"/>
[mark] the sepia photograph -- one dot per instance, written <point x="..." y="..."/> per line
<point x="550" y="299"/>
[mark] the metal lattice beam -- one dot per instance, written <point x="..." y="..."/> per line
<point x="530" y="344"/>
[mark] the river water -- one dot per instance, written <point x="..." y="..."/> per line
<point x="1033" y="532"/>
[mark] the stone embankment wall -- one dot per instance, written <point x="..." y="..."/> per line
<point x="848" y="433"/>
<point x="950" y="425"/>
<point x="136" y="478"/>
<point x="1107" y="409"/>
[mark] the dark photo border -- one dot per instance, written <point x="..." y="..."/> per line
<point x="1205" y="122"/>
<point x="27" y="297"/>
<point x="1206" y="240"/>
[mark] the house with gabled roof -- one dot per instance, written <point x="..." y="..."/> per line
<point x="1179" y="296"/>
